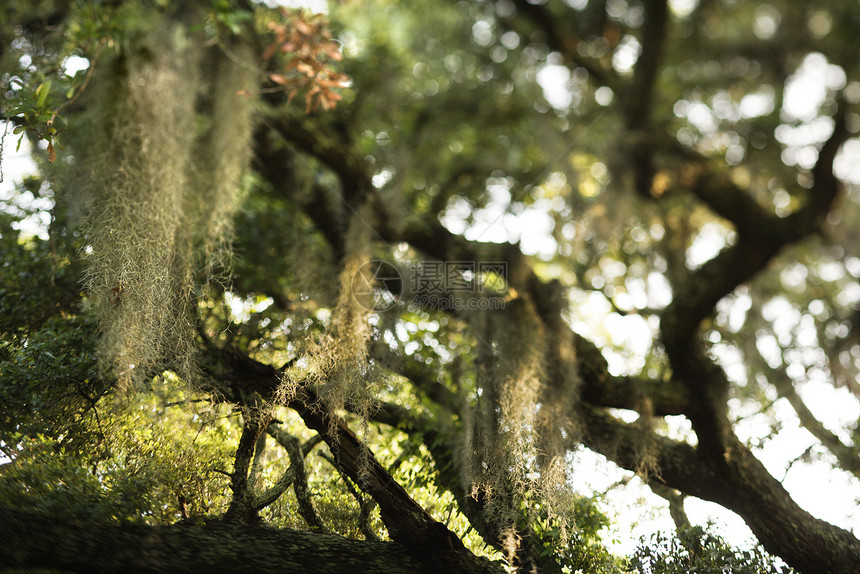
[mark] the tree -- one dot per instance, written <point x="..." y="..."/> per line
<point x="291" y="277"/>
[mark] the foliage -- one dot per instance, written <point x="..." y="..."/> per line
<point x="306" y="44"/>
<point x="697" y="550"/>
<point x="148" y="463"/>
<point x="48" y="377"/>
<point x="40" y="88"/>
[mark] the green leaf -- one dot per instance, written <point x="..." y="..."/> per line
<point x="42" y="93"/>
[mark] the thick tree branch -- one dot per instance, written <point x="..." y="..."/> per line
<point x="738" y="482"/>
<point x="639" y="96"/>
<point x="640" y="100"/>
<point x="601" y="389"/>
<point x="754" y="222"/>
<point x="707" y="385"/>
<point x="734" y="204"/>
<point x="407" y="522"/>
<point x="35" y="541"/>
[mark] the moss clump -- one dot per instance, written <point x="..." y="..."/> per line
<point x="339" y="365"/>
<point x="161" y="189"/>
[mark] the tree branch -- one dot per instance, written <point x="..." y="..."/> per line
<point x="707" y="385"/>
<point x="300" y="486"/>
<point x="273" y="493"/>
<point x="738" y="482"/>
<point x="848" y="457"/>
<point x="364" y="506"/>
<point x="720" y="468"/>
<point x="241" y="507"/>
<point x="676" y="505"/>
<point x="601" y="389"/>
<point x="331" y="146"/>
<point x="407" y="522"/>
<point x="257" y="462"/>
<point x="638" y="104"/>
<point x="124" y="548"/>
<point x="562" y="39"/>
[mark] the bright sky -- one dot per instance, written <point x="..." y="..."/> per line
<point x="17" y="165"/>
<point x="317" y="6"/>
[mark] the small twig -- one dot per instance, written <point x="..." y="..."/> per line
<point x="297" y="475"/>
<point x="805" y="454"/>
<point x="2" y="142"/>
<point x="365" y="507"/>
<point x="83" y="87"/>
<point x="185" y="402"/>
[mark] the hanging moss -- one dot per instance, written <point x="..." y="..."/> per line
<point x="225" y="150"/>
<point x="137" y="205"/>
<point x="505" y="459"/>
<point x="338" y="362"/>
<point x="516" y="436"/>
<point x="158" y="189"/>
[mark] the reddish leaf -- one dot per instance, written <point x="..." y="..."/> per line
<point x="279" y="79"/>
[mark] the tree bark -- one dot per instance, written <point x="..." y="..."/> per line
<point x="31" y="540"/>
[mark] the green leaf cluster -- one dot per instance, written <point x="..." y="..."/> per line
<point x="699" y="550"/>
